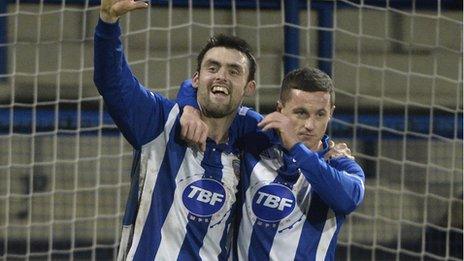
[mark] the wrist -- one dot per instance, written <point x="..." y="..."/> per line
<point x="107" y="18"/>
<point x="193" y="110"/>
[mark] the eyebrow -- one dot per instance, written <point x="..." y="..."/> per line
<point x="307" y="111"/>
<point x="232" y="65"/>
<point x="297" y="109"/>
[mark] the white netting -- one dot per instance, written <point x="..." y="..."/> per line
<point x="403" y="68"/>
<point x="64" y="168"/>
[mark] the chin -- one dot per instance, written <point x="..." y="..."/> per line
<point x="310" y="146"/>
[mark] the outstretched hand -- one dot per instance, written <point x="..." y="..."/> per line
<point x="283" y="125"/>
<point x="111" y="10"/>
<point x="338" y="150"/>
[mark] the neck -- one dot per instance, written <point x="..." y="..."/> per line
<point x="218" y="127"/>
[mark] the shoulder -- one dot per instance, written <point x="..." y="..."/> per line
<point x="249" y="115"/>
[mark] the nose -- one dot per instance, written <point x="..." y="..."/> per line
<point x="309" y="124"/>
<point x="221" y="74"/>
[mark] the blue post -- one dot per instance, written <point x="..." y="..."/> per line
<point x="291" y="37"/>
<point x="325" y="41"/>
<point x="3" y="32"/>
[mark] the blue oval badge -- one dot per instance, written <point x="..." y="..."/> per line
<point x="273" y="202"/>
<point x="204" y="197"/>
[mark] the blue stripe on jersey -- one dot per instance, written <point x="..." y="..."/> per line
<point x="197" y="228"/>
<point x="227" y="237"/>
<point x="261" y="241"/>
<point x="163" y="194"/>
<point x="312" y="229"/>
<point x="190" y="249"/>
<point x="132" y="200"/>
<point x="263" y="234"/>
<point x="244" y="184"/>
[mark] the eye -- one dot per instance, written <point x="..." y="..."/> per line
<point x="300" y="113"/>
<point x="212" y="68"/>
<point x="321" y="114"/>
<point x="234" y="72"/>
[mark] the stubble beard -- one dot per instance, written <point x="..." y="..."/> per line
<point x="216" y="111"/>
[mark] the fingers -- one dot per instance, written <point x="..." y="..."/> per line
<point x="269" y="118"/>
<point x="271" y="125"/>
<point x="199" y="136"/>
<point x="202" y="140"/>
<point x="140" y="5"/>
<point x="122" y="7"/>
<point x="272" y="121"/>
<point x="183" y="130"/>
<point x="331" y="144"/>
<point x="343" y="148"/>
<point x="328" y="155"/>
<point x="194" y="133"/>
<point x="263" y="122"/>
<point x="338" y="150"/>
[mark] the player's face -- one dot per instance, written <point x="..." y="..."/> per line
<point x="310" y="113"/>
<point x="222" y="81"/>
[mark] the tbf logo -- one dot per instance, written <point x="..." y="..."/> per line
<point x="204" y="197"/>
<point x="273" y="202"/>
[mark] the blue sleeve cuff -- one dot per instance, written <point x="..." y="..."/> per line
<point x="107" y="30"/>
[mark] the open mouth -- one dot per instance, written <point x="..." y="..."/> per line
<point x="220" y="90"/>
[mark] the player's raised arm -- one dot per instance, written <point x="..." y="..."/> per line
<point x="137" y="112"/>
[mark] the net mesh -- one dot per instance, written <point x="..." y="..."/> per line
<point x="64" y="167"/>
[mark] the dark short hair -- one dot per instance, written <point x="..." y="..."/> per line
<point x="308" y="80"/>
<point x="230" y="42"/>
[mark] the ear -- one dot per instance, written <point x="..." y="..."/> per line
<point x="332" y="111"/>
<point x="195" y="79"/>
<point x="250" y="88"/>
<point x="280" y="106"/>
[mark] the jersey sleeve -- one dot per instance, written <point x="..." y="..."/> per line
<point x="139" y="113"/>
<point x="340" y="184"/>
<point x="249" y="136"/>
<point x="187" y="95"/>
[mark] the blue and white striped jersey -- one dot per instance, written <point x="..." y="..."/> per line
<point x="294" y="203"/>
<point x="182" y="202"/>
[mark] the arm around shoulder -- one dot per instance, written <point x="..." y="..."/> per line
<point x="340" y="184"/>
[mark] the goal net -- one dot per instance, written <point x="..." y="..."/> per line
<point x="397" y="66"/>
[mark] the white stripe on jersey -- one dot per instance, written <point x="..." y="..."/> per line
<point x="285" y="243"/>
<point x="211" y="248"/>
<point x="261" y="172"/>
<point x="328" y="232"/>
<point x="126" y="231"/>
<point x="156" y="148"/>
<point x="171" y="241"/>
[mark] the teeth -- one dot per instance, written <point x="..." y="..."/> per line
<point x="220" y="89"/>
